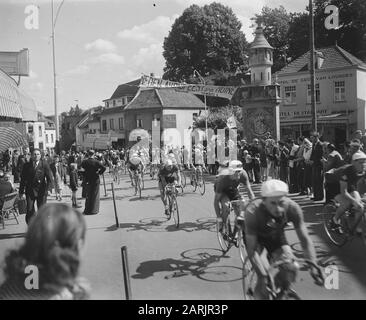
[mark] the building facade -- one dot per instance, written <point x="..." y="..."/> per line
<point x="340" y="95"/>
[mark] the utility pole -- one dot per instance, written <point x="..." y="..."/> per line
<point x="54" y="69"/>
<point x="314" y="122"/>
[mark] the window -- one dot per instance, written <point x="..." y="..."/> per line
<point x="40" y="145"/>
<point x="104" y="125"/>
<point x="339" y="91"/>
<point x="30" y="128"/>
<point x="46" y="138"/>
<point x="114" y="103"/>
<point x="120" y="123"/>
<point x="111" y="124"/>
<point x="39" y="131"/>
<point x="139" y="123"/>
<point x="290" y="95"/>
<point x="107" y="104"/>
<point x="51" y="137"/>
<point x="317" y="93"/>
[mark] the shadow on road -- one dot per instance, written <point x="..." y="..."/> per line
<point x="201" y="268"/>
<point x="5" y="236"/>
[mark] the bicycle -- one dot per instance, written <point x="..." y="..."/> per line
<point x="277" y="291"/>
<point x="347" y="229"/>
<point x="197" y="180"/>
<point x="171" y="193"/>
<point x="232" y="232"/>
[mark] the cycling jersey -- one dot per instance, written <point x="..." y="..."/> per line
<point x="134" y="167"/>
<point x="169" y="175"/>
<point x="228" y="185"/>
<point x="352" y="178"/>
<point x="270" y="231"/>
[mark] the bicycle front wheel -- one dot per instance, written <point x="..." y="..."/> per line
<point x="184" y="179"/>
<point x="249" y="280"/>
<point x="175" y="211"/>
<point x="241" y="245"/>
<point x="201" y="186"/>
<point x="336" y="235"/>
<point x="223" y="235"/>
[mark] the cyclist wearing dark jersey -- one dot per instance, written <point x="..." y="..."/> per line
<point x="168" y="173"/>
<point x="226" y="189"/>
<point x="349" y="185"/>
<point x="265" y="222"/>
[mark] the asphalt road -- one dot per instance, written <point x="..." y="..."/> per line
<point x="166" y="263"/>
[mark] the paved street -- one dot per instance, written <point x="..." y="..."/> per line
<point x="166" y="263"/>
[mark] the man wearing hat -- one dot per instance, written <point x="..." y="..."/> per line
<point x="265" y="222"/>
<point x="350" y="179"/>
<point x="92" y="170"/>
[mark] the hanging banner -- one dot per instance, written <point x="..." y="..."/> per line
<point x="200" y="89"/>
<point x="151" y="82"/>
<point x="208" y="90"/>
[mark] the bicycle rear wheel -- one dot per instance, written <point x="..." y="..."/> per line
<point x="169" y="201"/>
<point x="336" y="236"/>
<point x="175" y="211"/>
<point x="223" y="235"/>
<point x="249" y="280"/>
<point x="201" y="186"/>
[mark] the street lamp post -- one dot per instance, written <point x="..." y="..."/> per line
<point x="54" y="20"/>
<point x="312" y="69"/>
<point x="195" y="72"/>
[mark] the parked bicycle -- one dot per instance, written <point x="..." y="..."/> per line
<point x="171" y="192"/>
<point x="348" y="226"/>
<point x="277" y="289"/>
<point x="232" y="232"/>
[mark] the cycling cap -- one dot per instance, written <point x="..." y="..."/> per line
<point x="274" y="188"/>
<point x="359" y="155"/>
<point x="236" y="165"/>
<point x="135" y="160"/>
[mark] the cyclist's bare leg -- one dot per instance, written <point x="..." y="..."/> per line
<point x="225" y="208"/>
<point x="163" y="196"/>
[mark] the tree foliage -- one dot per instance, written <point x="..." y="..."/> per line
<point x="217" y="118"/>
<point x="275" y="23"/>
<point x="204" y="38"/>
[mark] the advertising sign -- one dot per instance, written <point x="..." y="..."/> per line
<point x="15" y="63"/>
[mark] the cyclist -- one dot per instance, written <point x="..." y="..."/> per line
<point x="226" y="189"/>
<point x="199" y="165"/>
<point x="351" y="178"/>
<point x="135" y="165"/>
<point x="265" y="222"/>
<point x="168" y="173"/>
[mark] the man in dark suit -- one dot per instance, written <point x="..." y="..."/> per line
<point x="93" y="168"/>
<point x="317" y="167"/>
<point x="36" y="177"/>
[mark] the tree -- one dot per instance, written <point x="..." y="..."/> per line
<point x="351" y="35"/>
<point x="275" y="23"/>
<point x="217" y="118"/>
<point x="204" y="38"/>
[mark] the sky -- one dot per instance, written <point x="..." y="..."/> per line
<point x="100" y="44"/>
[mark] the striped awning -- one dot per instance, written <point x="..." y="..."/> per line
<point x="14" y="102"/>
<point x="11" y="138"/>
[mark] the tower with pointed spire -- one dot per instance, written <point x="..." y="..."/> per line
<point x="260" y="99"/>
<point x="260" y="59"/>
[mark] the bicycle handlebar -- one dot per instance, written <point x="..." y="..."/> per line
<point x="318" y="277"/>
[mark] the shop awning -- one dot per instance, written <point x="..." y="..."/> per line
<point x="14" y="102"/>
<point x="11" y="138"/>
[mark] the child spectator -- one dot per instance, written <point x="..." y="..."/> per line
<point x="74" y="184"/>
